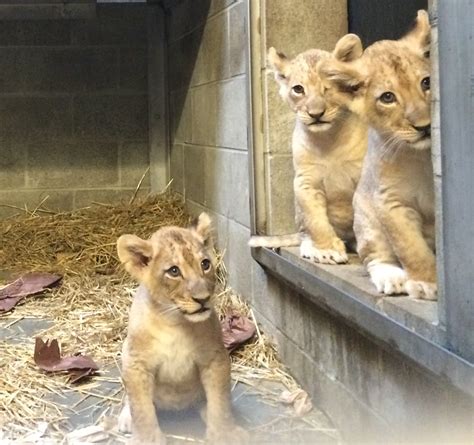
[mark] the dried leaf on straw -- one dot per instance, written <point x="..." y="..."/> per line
<point x="48" y="357"/>
<point x="299" y="399"/>
<point x="29" y="284"/>
<point x="236" y="330"/>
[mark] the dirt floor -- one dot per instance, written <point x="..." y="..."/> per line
<point x="87" y="314"/>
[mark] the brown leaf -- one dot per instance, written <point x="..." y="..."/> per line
<point x="48" y="357"/>
<point x="236" y="330"/>
<point x="299" y="399"/>
<point x="28" y="284"/>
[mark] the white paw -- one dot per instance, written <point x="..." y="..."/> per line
<point x="422" y="290"/>
<point x="125" y="420"/>
<point x="388" y="279"/>
<point x="323" y="256"/>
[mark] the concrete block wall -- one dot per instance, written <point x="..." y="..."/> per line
<point x="208" y="114"/>
<point x="74" y="109"/>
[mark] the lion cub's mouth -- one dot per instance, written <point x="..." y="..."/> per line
<point x="200" y="310"/>
<point x="319" y="122"/>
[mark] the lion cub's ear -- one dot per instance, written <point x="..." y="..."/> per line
<point x="342" y="71"/>
<point x="419" y="38"/>
<point x="203" y="227"/>
<point x="135" y="254"/>
<point x="279" y="63"/>
<point x="348" y="48"/>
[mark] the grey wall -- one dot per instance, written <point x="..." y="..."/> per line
<point x="73" y="108"/>
<point x="208" y="115"/>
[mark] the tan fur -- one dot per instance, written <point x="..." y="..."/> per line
<point x="394" y="202"/>
<point x="173" y="356"/>
<point x="329" y="143"/>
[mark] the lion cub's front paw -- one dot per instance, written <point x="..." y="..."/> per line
<point x="422" y="290"/>
<point x="324" y="256"/>
<point x="156" y="437"/>
<point x="125" y="420"/>
<point x="388" y="279"/>
<point x="233" y="434"/>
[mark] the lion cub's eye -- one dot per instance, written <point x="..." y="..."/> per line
<point x="388" y="97"/>
<point x="425" y="84"/>
<point x="173" y="271"/>
<point x="298" y="89"/>
<point x="205" y="264"/>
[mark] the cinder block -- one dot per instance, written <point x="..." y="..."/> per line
<point x="224" y="122"/>
<point x="12" y="201"/>
<point x="108" y="116"/>
<point x="328" y="23"/>
<point x="280" y="197"/>
<point x="195" y="174"/>
<point x="186" y="16"/>
<point x="115" y="25"/>
<point x="279" y="120"/>
<point x="177" y="168"/>
<point x="34" y="33"/>
<point x="227" y="184"/>
<point x="182" y="55"/>
<point x="57" y="70"/>
<point x="12" y="165"/>
<point x="238" y="259"/>
<point x="134" y="69"/>
<point x="35" y="118"/>
<point x="232" y="114"/>
<point x="134" y="161"/>
<point x="238" y="39"/>
<point x="72" y="164"/>
<point x="218" y="5"/>
<point x="204" y="115"/>
<point x="180" y="116"/>
<point x="213" y="58"/>
<point x="85" y="198"/>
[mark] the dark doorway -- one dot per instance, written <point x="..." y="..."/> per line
<point x="374" y="20"/>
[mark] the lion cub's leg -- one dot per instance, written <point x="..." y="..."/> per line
<point x="144" y="423"/>
<point x="221" y="428"/>
<point x="376" y="252"/>
<point x="323" y="244"/>
<point x="404" y="229"/>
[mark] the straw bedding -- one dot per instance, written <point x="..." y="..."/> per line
<point x="89" y="310"/>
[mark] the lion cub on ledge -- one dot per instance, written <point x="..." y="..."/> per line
<point x="174" y="356"/>
<point x="328" y="145"/>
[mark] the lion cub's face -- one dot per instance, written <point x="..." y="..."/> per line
<point x="398" y="95"/>
<point x="176" y="265"/>
<point x="389" y="86"/>
<point x="301" y="85"/>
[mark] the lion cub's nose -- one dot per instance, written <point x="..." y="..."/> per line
<point x="202" y="300"/>
<point x="317" y="116"/>
<point x="425" y="129"/>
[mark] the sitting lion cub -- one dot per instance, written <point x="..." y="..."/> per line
<point x="329" y="143"/>
<point x="174" y="356"/>
<point x="394" y="202"/>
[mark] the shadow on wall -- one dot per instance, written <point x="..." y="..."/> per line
<point x="185" y="23"/>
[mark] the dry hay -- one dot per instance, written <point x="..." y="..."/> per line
<point x="89" y="310"/>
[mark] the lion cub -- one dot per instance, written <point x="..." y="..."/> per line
<point x="394" y="202"/>
<point x="174" y="356"/>
<point x="329" y="143"/>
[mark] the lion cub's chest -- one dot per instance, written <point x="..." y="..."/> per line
<point x="175" y="356"/>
